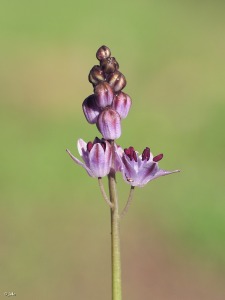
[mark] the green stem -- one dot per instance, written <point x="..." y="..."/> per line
<point x="125" y="210"/>
<point x="115" y="238"/>
<point x="104" y="193"/>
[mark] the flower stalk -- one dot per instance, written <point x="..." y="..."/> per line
<point x="129" y="200"/>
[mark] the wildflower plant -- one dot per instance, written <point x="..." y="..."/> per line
<point x="106" y="108"/>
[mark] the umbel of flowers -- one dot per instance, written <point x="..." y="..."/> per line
<point x="106" y="107"/>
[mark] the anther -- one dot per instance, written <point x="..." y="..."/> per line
<point x="158" y="157"/>
<point x="146" y="154"/>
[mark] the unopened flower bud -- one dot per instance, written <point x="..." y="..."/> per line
<point x="117" y="81"/>
<point x="103" y="52"/>
<point x="104" y="94"/>
<point x="96" y="75"/>
<point x="108" y="124"/>
<point x="109" y="65"/>
<point x="122" y="104"/>
<point x="90" y="109"/>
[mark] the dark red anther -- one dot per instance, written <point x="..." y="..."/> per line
<point x="146" y="154"/>
<point x="158" y="157"/>
<point x="89" y="146"/>
<point x="127" y="152"/>
<point x="130" y="152"/>
<point x="103" y="145"/>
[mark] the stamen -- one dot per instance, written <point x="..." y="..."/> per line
<point x="127" y="152"/>
<point x="158" y="157"/>
<point x="130" y="152"/>
<point x="89" y="146"/>
<point x="103" y="145"/>
<point x="146" y="154"/>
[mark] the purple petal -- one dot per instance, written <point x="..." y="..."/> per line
<point x="82" y="149"/>
<point x="81" y="146"/>
<point x="118" y="159"/>
<point x="98" y="163"/>
<point x="146" y="173"/>
<point x="157" y="174"/>
<point x="129" y="173"/>
<point x="77" y="161"/>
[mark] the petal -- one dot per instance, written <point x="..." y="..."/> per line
<point x="161" y="172"/>
<point x="118" y="159"/>
<point x="157" y="174"/>
<point x="108" y="157"/>
<point x="129" y="173"/>
<point x="77" y="161"/>
<point x="82" y="149"/>
<point x="81" y="146"/>
<point x="98" y="163"/>
<point x="146" y="173"/>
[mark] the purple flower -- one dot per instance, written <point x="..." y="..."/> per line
<point x="139" y="170"/>
<point x="97" y="157"/>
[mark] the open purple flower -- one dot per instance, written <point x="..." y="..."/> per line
<point x="97" y="157"/>
<point x="139" y="170"/>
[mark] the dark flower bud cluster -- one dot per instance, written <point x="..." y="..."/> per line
<point x="108" y="104"/>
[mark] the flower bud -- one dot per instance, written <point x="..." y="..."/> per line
<point x="96" y="75"/>
<point x="90" y="109"/>
<point x="104" y="94"/>
<point x="122" y="104"/>
<point x="109" y="65"/>
<point x="117" y="81"/>
<point x="103" y="52"/>
<point x="108" y="124"/>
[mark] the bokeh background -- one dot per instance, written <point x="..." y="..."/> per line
<point x="55" y="226"/>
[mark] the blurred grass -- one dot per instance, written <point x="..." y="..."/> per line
<point x="54" y="222"/>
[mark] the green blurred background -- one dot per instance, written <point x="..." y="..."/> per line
<point x="55" y="227"/>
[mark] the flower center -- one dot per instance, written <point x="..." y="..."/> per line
<point x="130" y="152"/>
<point x="90" y="145"/>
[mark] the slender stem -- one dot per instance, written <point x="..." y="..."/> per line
<point x="115" y="237"/>
<point x="130" y="197"/>
<point x="104" y="193"/>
